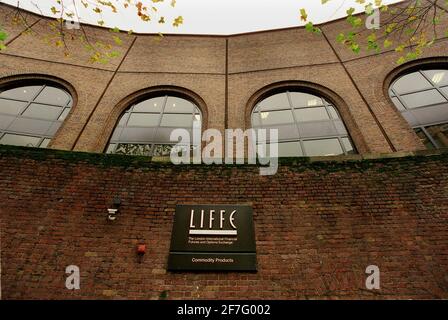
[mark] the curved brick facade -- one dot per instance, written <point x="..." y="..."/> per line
<point x="318" y="224"/>
<point x="225" y="73"/>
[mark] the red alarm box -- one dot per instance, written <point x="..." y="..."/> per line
<point x="141" y="249"/>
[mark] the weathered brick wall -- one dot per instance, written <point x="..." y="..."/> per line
<point x="318" y="226"/>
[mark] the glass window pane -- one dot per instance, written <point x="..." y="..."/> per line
<point x="197" y="124"/>
<point x="5" y="121"/>
<point x="333" y="112"/>
<point x="151" y="105"/>
<point x="440" y="134"/>
<point x="285" y="132"/>
<point x="41" y="111"/>
<point x="22" y="93"/>
<point x="398" y="104"/>
<point x="348" y="145"/>
<point x="11" y="106"/>
<point x="340" y="127"/>
<point x="55" y="96"/>
<point x="318" y="129"/>
<point x="438" y="77"/>
<point x="427" y="115"/>
<point x="424" y="139"/>
<point x="275" y="102"/>
<point x="123" y="119"/>
<point x="53" y="128"/>
<point x="445" y="90"/>
<point x="276" y="117"/>
<point x="177" y="120"/>
<point x="411" y="83"/>
<point x="425" y="98"/>
<point x="303" y="100"/>
<point x="137" y="135"/>
<point x="31" y="126"/>
<point x="44" y="143"/>
<point x="178" y="105"/>
<point x="64" y="114"/>
<point x="285" y="149"/>
<point x="111" y="148"/>
<point x="20" y="140"/>
<point x="150" y="122"/>
<point x="324" y="147"/>
<point x="318" y="126"/>
<point x="33" y="122"/>
<point x="117" y="134"/>
<point x="290" y="149"/>
<point x="163" y="134"/>
<point x="256" y="119"/>
<point x="143" y="119"/>
<point x="311" y="114"/>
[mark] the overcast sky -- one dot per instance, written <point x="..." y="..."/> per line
<point x="211" y="16"/>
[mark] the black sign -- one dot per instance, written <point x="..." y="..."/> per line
<point x="213" y="237"/>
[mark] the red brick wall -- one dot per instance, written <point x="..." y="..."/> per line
<point x="318" y="226"/>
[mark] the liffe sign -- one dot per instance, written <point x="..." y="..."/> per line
<point x="213" y="237"/>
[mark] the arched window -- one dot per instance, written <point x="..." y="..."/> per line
<point x="145" y="128"/>
<point x="31" y="114"/>
<point x="307" y="125"/>
<point x="422" y="99"/>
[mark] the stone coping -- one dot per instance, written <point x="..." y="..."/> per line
<point x="144" y="161"/>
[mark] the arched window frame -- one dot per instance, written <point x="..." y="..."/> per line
<point x="154" y="93"/>
<point x="306" y="88"/>
<point x="25" y="80"/>
<point x="418" y="66"/>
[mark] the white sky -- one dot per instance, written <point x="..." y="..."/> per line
<point x="210" y="16"/>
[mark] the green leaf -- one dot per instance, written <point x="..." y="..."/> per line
<point x="311" y="28"/>
<point x="401" y="60"/>
<point x="350" y="11"/>
<point x="387" y="43"/>
<point x="340" y="38"/>
<point x="117" y="40"/>
<point x="3" y="35"/>
<point x="355" y="48"/>
<point x="303" y="15"/>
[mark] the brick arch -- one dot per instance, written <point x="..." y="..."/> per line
<point x="22" y="78"/>
<point x="409" y="67"/>
<point x="144" y="94"/>
<point x="406" y="68"/>
<point x="315" y="89"/>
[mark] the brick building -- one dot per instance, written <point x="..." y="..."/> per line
<point x="380" y="199"/>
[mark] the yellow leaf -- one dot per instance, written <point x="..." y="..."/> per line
<point x="178" y="21"/>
